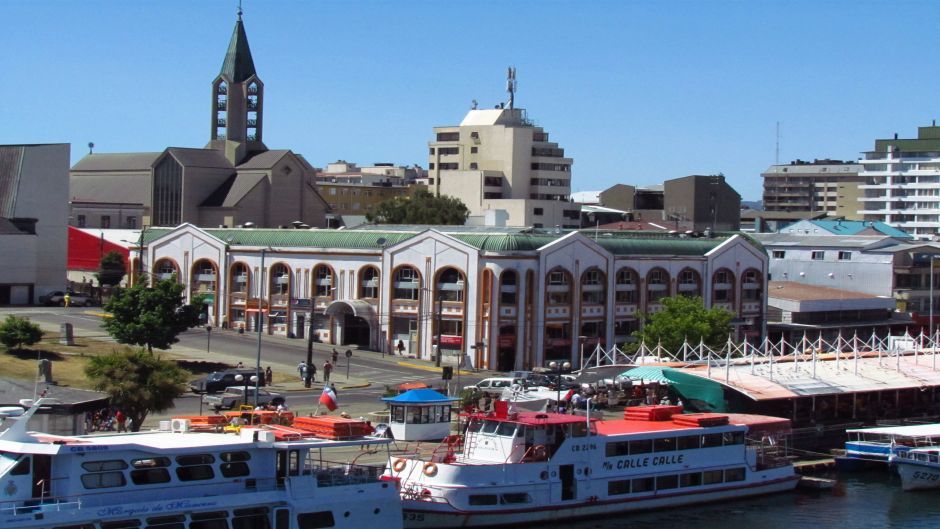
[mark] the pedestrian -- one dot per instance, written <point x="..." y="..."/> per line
<point x="333" y="387"/>
<point x="67" y="300"/>
<point x="239" y="365"/>
<point x="268" y="376"/>
<point x="401" y="347"/>
<point x="313" y="372"/>
<point x="301" y="367"/>
<point x="121" y="421"/>
<point x="327" y="369"/>
<point x="335" y="355"/>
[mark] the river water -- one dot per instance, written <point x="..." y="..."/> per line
<point x="860" y="500"/>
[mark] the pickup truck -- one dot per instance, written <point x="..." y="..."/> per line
<point x="58" y="298"/>
<point x="235" y="396"/>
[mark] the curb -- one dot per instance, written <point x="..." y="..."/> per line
<point x="298" y="390"/>
<point x="432" y="369"/>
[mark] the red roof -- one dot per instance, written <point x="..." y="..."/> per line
<point x="621" y="426"/>
<point x="533" y="418"/>
<point x="86" y="250"/>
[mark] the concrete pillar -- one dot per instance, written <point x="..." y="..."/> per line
<point x="66" y="336"/>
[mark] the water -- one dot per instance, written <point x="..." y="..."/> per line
<point x="860" y="500"/>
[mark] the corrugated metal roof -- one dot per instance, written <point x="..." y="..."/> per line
<point x="264" y="160"/>
<point x="190" y="157"/>
<point x="11" y="158"/>
<point x="129" y="161"/>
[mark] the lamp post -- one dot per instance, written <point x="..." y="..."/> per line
<point x="930" y="302"/>
<point x="208" y="337"/>
<point x="558" y="368"/>
<point x="242" y="378"/>
<point x="260" y="325"/>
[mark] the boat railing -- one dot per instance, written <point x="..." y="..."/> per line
<point x="334" y="474"/>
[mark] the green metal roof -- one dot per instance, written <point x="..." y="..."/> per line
<point x="619" y="243"/>
<point x="238" y="64"/>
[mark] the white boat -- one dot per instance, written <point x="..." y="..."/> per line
<point x="867" y="446"/>
<point x="531" y="467"/>
<point x="919" y="468"/>
<point x="187" y="480"/>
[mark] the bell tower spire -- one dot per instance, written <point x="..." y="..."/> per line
<point x="237" y="99"/>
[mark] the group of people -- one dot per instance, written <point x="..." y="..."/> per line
<point x="305" y="370"/>
<point x="107" y="420"/>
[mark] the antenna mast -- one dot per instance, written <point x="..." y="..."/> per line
<point x="511" y="85"/>
<point x="777" y="149"/>
<point x="239" y="9"/>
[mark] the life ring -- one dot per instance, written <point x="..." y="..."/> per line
<point x="399" y="465"/>
<point x="430" y="469"/>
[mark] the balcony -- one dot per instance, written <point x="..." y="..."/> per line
<point x="280" y="300"/>
<point x="220" y="105"/>
<point x="405" y="306"/>
<point x="251" y="105"/>
<point x="220" y="123"/>
<point x="562" y="312"/>
<point x="751" y="307"/>
<point x="205" y="277"/>
<point x="239" y="298"/>
<point x="625" y="309"/>
<point x="727" y="305"/>
<point x="252" y="123"/>
<point x="592" y="311"/>
<point x="507" y="312"/>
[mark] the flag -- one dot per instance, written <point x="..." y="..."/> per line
<point x="328" y="398"/>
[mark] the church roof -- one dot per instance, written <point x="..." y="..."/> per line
<point x="189" y="157"/>
<point x="125" y="161"/>
<point x="264" y="160"/>
<point x="238" y="64"/>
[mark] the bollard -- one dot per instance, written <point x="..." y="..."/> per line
<point x="66" y="336"/>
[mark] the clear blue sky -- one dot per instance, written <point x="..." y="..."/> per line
<point x="636" y="92"/>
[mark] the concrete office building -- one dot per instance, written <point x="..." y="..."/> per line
<point x="812" y="187"/>
<point x="33" y="221"/>
<point x="511" y="298"/>
<point x="234" y="180"/>
<point x="902" y="183"/>
<point x="352" y="191"/>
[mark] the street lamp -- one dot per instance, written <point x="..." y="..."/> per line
<point x="257" y="375"/>
<point x="208" y="337"/>
<point x="930" y="301"/>
<point x="254" y="379"/>
<point x="558" y="368"/>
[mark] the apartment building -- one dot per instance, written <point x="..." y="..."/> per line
<point x="902" y="183"/>
<point x="352" y="191"/>
<point x="813" y="187"/>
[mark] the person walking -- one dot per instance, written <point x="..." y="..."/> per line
<point x="401" y="347"/>
<point x="302" y="369"/>
<point x="313" y="372"/>
<point x="67" y="300"/>
<point x="327" y="369"/>
<point x="121" y="420"/>
<point x="268" y="376"/>
<point x="335" y="355"/>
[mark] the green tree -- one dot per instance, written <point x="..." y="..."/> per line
<point x="137" y="382"/>
<point x="685" y="318"/>
<point x="151" y="316"/>
<point x="16" y="332"/>
<point x="112" y="269"/>
<point x="422" y="207"/>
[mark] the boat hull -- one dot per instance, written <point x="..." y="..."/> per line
<point x="918" y="476"/>
<point x="424" y="515"/>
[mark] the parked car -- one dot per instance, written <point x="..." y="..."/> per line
<point x="58" y="298"/>
<point x="235" y="396"/>
<point x="492" y="385"/>
<point x="217" y="381"/>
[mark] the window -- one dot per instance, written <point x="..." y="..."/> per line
<point x="448" y="166"/>
<point x="81" y="221"/>
<point x="406" y="284"/>
<point x="667" y="482"/>
<point x="642" y="485"/>
<point x="369" y="283"/>
<point x="690" y="442"/>
<point x="690" y="480"/>
<point x="732" y="438"/>
<point x="195" y="467"/>
<point x="103" y="480"/>
<point x="845" y="256"/>
<point x="537" y="211"/>
<point x="483" y="499"/>
<point x="473" y="150"/>
<point x="711" y="477"/>
<point x="515" y="497"/>
<point x="643" y="446"/>
<point x="150" y="471"/>
<point x="431" y="150"/>
<point x="175" y="521"/>
<point x="819" y="256"/>
<point x="103" y="466"/>
<point x="778" y="254"/>
<point x="711" y="440"/>
<point x="448" y="150"/>
<point x="621" y="486"/>
<point x="734" y="474"/>
<point x="667" y="444"/>
<point x="473" y="165"/>
<point x="621" y="448"/>
<point x="209" y="520"/>
<point x="131" y="222"/>
<point x="106" y="221"/>
<point x="121" y="524"/>
<point x="315" y="520"/>
<point x="448" y="136"/>
<point x="491" y="181"/>
<point x="251" y="518"/>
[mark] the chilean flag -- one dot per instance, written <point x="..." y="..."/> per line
<point x="328" y="398"/>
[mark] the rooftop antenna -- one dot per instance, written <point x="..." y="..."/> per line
<point x="239" y="12"/>
<point x="473" y="104"/>
<point x="511" y="85"/>
<point x="777" y="150"/>
<point x="91" y="145"/>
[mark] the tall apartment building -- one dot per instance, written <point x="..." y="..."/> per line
<point x="902" y="183"/>
<point x="829" y="186"/>
<point x="352" y="191"/>
<point x="496" y="159"/>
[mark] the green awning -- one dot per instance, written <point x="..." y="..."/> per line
<point x="653" y="373"/>
<point x="699" y="393"/>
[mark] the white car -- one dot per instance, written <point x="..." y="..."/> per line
<point x="492" y="385"/>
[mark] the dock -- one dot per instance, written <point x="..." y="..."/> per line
<point x="811" y="466"/>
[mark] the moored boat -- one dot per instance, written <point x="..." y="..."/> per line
<point x="919" y="468"/>
<point x="528" y="467"/>
<point x="878" y="446"/>
<point x="263" y="477"/>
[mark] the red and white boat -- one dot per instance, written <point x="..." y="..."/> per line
<point x="529" y="467"/>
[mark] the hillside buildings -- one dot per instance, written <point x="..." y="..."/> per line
<point x="33" y="220"/>
<point x="828" y="186"/>
<point x="902" y="183"/>
<point x="505" y="298"/>
<point x="234" y="180"/>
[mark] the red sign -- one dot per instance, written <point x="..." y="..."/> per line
<point x="451" y="341"/>
<point x="507" y="341"/>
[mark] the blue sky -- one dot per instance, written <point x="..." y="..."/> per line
<point x="636" y="92"/>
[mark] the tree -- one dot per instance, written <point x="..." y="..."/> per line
<point x="420" y="208"/>
<point x="16" y="332"/>
<point x="112" y="269"/>
<point x="685" y="318"/>
<point x="137" y="382"/>
<point x="151" y="316"/>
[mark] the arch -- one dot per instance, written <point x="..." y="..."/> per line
<point x="723" y="286"/>
<point x="627" y="289"/>
<point x="406" y="283"/>
<point x="369" y="284"/>
<point x="593" y="286"/>
<point x="166" y="268"/>
<point x="239" y="290"/>
<point x="356" y="321"/>
<point x="279" y="292"/>
<point x="324" y="281"/>
<point x="450" y="290"/>
<point x="689" y="282"/>
<point x="752" y="285"/>
<point x="657" y="284"/>
<point x="508" y="287"/>
<point x="204" y="280"/>
<point x="558" y="283"/>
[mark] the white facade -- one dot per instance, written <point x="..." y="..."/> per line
<point x="510" y="299"/>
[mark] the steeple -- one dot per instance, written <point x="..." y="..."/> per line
<point x="237" y="100"/>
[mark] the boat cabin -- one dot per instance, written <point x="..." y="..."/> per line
<point x="521" y="437"/>
<point x="420" y="415"/>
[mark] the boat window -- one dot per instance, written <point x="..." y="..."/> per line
<point x="102" y="466"/>
<point x="195" y="459"/>
<point x="689" y="442"/>
<point x="506" y="429"/>
<point x="209" y="520"/>
<point x="710" y="477"/>
<point x="121" y="524"/>
<point x="234" y="470"/>
<point x="21" y="468"/>
<point x="103" y="480"/>
<point x="150" y="476"/>
<point x="174" y="521"/>
<point x="666" y="444"/>
<point x="398" y="414"/>
<point x="620" y="486"/>
<point x="475" y="426"/>
<point x="251" y="518"/>
<point x="693" y="479"/>
<point x="194" y="473"/>
<point x="515" y="497"/>
<point x="642" y="485"/>
<point x="711" y="440"/>
<point x="315" y="520"/>
<point x="733" y="438"/>
<point x="621" y="448"/>
<point x="152" y="462"/>
<point x="667" y="482"/>
<point x="734" y="474"/>
<point x="483" y="499"/>
<point x="490" y="426"/>
<point x="231" y="457"/>
<point x="579" y="429"/>
<point x="643" y="446"/>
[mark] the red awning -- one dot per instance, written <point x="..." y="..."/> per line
<point x="86" y="250"/>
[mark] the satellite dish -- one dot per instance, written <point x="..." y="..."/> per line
<point x="381" y="241"/>
<point x="91" y="145"/>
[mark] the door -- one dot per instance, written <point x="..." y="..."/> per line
<point x="569" y="487"/>
<point x="42" y="474"/>
<point x="301" y="329"/>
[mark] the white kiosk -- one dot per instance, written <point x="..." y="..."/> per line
<point x="420" y="415"/>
